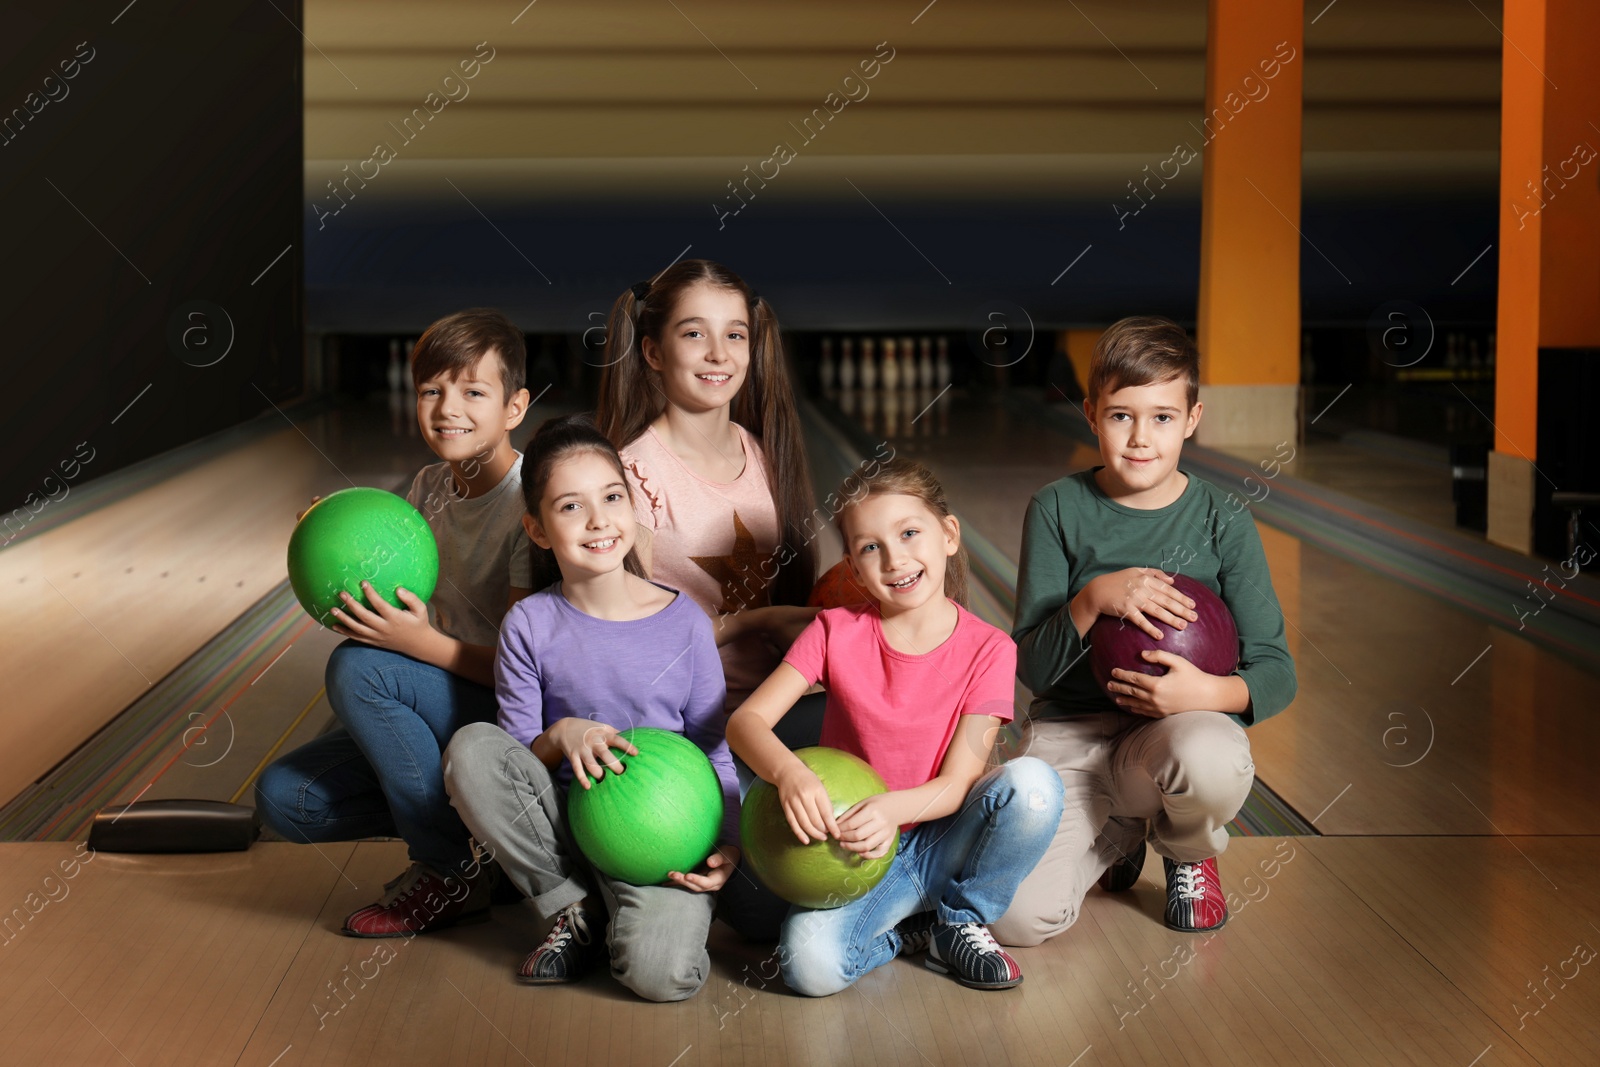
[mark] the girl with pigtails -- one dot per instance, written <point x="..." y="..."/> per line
<point x="695" y="394"/>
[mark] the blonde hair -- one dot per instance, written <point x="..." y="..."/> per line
<point x="905" y="477"/>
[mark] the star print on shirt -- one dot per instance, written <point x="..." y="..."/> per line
<point x="740" y="571"/>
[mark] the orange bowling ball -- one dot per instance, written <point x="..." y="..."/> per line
<point x="837" y="588"/>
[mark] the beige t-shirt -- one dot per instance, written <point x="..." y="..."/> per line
<point x="715" y="541"/>
<point x="483" y="551"/>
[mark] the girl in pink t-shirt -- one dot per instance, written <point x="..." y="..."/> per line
<point x="918" y="687"/>
<point x="695" y="395"/>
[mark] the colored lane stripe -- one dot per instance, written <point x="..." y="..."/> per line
<point x="1313" y="500"/>
<point x="273" y="751"/>
<point x="128" y="766"/>
<point x="106" y="765"/>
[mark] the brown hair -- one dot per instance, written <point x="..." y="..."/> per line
<point x="454" y="343"/>
<point x="907" y="477"/>
<point x="557" y="439"/>
<point x="1143" y="350"/>
<point x="631" y="397"/>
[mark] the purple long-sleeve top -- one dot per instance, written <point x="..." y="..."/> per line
<point x="556" y="662"/>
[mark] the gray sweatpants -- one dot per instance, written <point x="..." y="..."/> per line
<point x="1185" y="776"/>
<point x="511" y="803"/>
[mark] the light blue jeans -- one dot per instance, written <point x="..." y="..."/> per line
<point x="965" y="866"/>
<point x="380" y="773"/>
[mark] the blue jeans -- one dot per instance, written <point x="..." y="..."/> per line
<point x="965" y="866"/>
<point x="380" y="773"/>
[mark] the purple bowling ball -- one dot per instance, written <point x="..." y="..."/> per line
<point x="1211" y="642"/>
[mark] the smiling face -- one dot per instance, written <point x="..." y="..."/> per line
<point x="585" y="516"/>
<point x="1141" y="430"/>
<point x="703" y="353"/>
<point x="897" y="549"/>
<point x="468" y="415"/>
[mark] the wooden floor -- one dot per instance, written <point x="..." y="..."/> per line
<point x="1339" y="951"/>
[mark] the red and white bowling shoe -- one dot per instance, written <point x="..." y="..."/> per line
<point x="1194" y="896"/>
<point x="420" y="901"/>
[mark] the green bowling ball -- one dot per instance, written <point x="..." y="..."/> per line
<point x="820" y="874"/>
<point x="661" y="814"/>
<point x="360" y="534"/>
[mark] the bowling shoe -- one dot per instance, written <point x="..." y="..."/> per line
<point x="421" y="901"/>
<point x="916" y="931"/>
<point x="1195" y="901"/>
<point x="968" y="953"/>
<point x="565" y="952"/>
<point x="1124" y="872"/>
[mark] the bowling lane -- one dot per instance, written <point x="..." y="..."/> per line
<point x="163" y="593"/>
<point x="1413" y="716"/>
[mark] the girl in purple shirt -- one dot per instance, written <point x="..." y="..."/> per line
<point x="599" y="651"/>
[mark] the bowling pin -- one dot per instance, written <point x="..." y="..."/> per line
<point x="397" y="399"/>
<point x="827" y="369"/>
<point x="891" y="372"/>
<point x="908" y="363"/>
<point x="397" y="369"/>
<point x="411" y="346"/>
<point x="924" y="404"/>
<point x="941" y="364"/>
<point x="869" y="365"/>
<point x="847" y="365"/>
<point x="925" y="365"/>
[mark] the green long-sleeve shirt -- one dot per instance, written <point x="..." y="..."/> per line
<point x="1074" y="533"/>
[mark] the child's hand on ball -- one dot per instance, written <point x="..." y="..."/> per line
<point x="1143" y="596"/>
<point x="1184" y="687"/>
<point x="711" y="875"/>
<point x="805" y="804"/>
<point x="587" y="744"/>
<point x="408" y="631"/>
<point x="868" y="829"/>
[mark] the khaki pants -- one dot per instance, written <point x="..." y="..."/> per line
<point x="1187" y="774"/>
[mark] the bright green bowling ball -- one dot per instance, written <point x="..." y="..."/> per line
<point x="661" y="814"/>
<point x="820" y="874"/>
<point x="360" y="534"/>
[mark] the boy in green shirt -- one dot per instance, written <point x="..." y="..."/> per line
<point x="1160" y="758"/>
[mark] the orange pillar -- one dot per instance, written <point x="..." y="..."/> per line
<point x="1079" y="345"/>
<point x="1549" y="231"/>
<point x="1249" y="309"/>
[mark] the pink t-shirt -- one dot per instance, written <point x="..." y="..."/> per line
<point x="715" y="541"/>
<point x="898" y="711"/>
